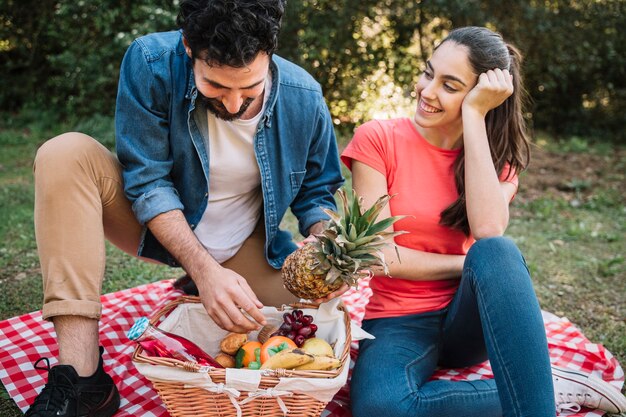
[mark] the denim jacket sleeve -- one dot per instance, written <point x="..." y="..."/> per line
<point x="322" y="177"/>
<point x="142" y="135"/>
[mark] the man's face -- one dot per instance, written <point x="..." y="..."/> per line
<point x="232" y="93"/>
<point x="216" y="107"/>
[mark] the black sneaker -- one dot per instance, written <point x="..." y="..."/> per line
<point x="68" y="395"/>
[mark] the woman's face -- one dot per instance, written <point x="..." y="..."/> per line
<point x="443" y="86"/>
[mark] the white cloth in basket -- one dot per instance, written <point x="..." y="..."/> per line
<point x="190" y="320"/>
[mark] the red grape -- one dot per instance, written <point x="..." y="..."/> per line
<point x="299" y="340"/>
<point x="305" y="331"/>
<point x="288" y="318"/>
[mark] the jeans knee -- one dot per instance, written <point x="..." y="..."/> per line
<point x="498" y="243"/>
<point x="492" y="250"/>
<point x="494" y="254"/>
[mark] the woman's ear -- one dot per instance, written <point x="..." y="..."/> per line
<point x="187" y="47"/>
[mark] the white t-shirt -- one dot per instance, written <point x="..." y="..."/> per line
<point x="235" y="195"/>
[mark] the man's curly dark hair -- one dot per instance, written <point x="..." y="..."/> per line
<point x="230" y="32"/>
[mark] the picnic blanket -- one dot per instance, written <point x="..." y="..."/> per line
<point x="26" y="338"/>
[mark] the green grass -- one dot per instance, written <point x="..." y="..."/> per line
<point x="575" y="251"/>
<point x="576" y="257"/>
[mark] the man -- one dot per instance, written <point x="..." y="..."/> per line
<point x="216" y="139"/>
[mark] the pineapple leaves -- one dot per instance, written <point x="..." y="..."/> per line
<point x="335" y="217"/>
<point x="383" y="224"/>
<point x="353" y="240"/>
<point x="332" y="275"/>
<point x="372" y="213"/>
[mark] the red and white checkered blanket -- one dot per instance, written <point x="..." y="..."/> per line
<point x="25" y="339"/>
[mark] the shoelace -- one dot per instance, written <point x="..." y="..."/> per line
<point x="47" y="400"/>
<point x="572" y="407"/>
<point x="567" y="402"/>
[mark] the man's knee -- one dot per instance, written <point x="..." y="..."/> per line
<point x="64" y="148"/>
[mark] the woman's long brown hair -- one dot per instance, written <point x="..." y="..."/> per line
<point x="506" y="128"/>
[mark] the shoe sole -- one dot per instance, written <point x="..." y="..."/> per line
<point x="612" y="394"/>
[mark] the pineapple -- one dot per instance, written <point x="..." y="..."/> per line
<point x="351" y="244"/>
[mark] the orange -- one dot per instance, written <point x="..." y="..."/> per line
<point x="274" y="345"/>
<point x="246" y="354"/>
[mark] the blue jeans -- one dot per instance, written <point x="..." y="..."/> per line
<point x="494" y="315"/>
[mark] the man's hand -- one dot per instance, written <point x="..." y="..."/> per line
<point x="226" y="295"/>
<point x="345" y="287"/>
<point x="223" y="292"/>
<point x="316" y="229"/>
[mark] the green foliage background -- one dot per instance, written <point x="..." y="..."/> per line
<point x="63" y="55"/>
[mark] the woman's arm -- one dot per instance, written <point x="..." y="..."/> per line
<point x="413" y="265"/>
<point x="487" y="200"/>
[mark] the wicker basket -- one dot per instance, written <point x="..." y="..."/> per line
<point x="182" y="400"/>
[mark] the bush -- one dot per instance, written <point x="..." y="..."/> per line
<point x="65" y="55"/>
<point x="367" y="54"/>
<point x="575" y="66"/>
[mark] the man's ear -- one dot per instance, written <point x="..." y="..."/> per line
<point x="187" y="47"/>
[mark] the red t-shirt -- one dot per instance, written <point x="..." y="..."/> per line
<point x="421" y="177"/>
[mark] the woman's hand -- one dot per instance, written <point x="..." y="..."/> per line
<point x="493" y="87"/>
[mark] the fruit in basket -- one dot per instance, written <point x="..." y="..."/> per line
<point x="274" y="345"/>
<point x="232" y="342"/>
<point x="297" y="326"/>
<point x="266" y="332"/>
<point x="247" y="353"/>
<point x="287" y="359"/>
<point x="320" y="363"/>
<point x="226" y="360"/>
<point x="318" y="347"/>
<point x="343" y="253"/>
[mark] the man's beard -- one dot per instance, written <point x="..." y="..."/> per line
<point x="217" y="108"/>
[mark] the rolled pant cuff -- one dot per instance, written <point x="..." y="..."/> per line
<point x="89" y="309"/>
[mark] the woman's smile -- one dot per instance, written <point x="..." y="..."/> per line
<point x="427" y="108"/>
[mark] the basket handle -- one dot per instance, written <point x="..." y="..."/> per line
<point x="165" y="310"/>
<point x="195" y="299"/>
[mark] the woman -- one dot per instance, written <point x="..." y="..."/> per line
<point x="461" y="293"/>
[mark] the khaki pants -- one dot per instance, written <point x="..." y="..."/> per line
<point x="80" y="201"/>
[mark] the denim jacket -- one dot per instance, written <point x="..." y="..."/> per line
<point x="166" y="164"/>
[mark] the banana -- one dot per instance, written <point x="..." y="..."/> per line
<point x="287" y="359"/>
<point x="320" y="363"/>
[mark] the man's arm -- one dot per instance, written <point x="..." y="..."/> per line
<point x="142" y="137"/>
<point x="323" y="175"/>
<point x="223" y="292"/>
